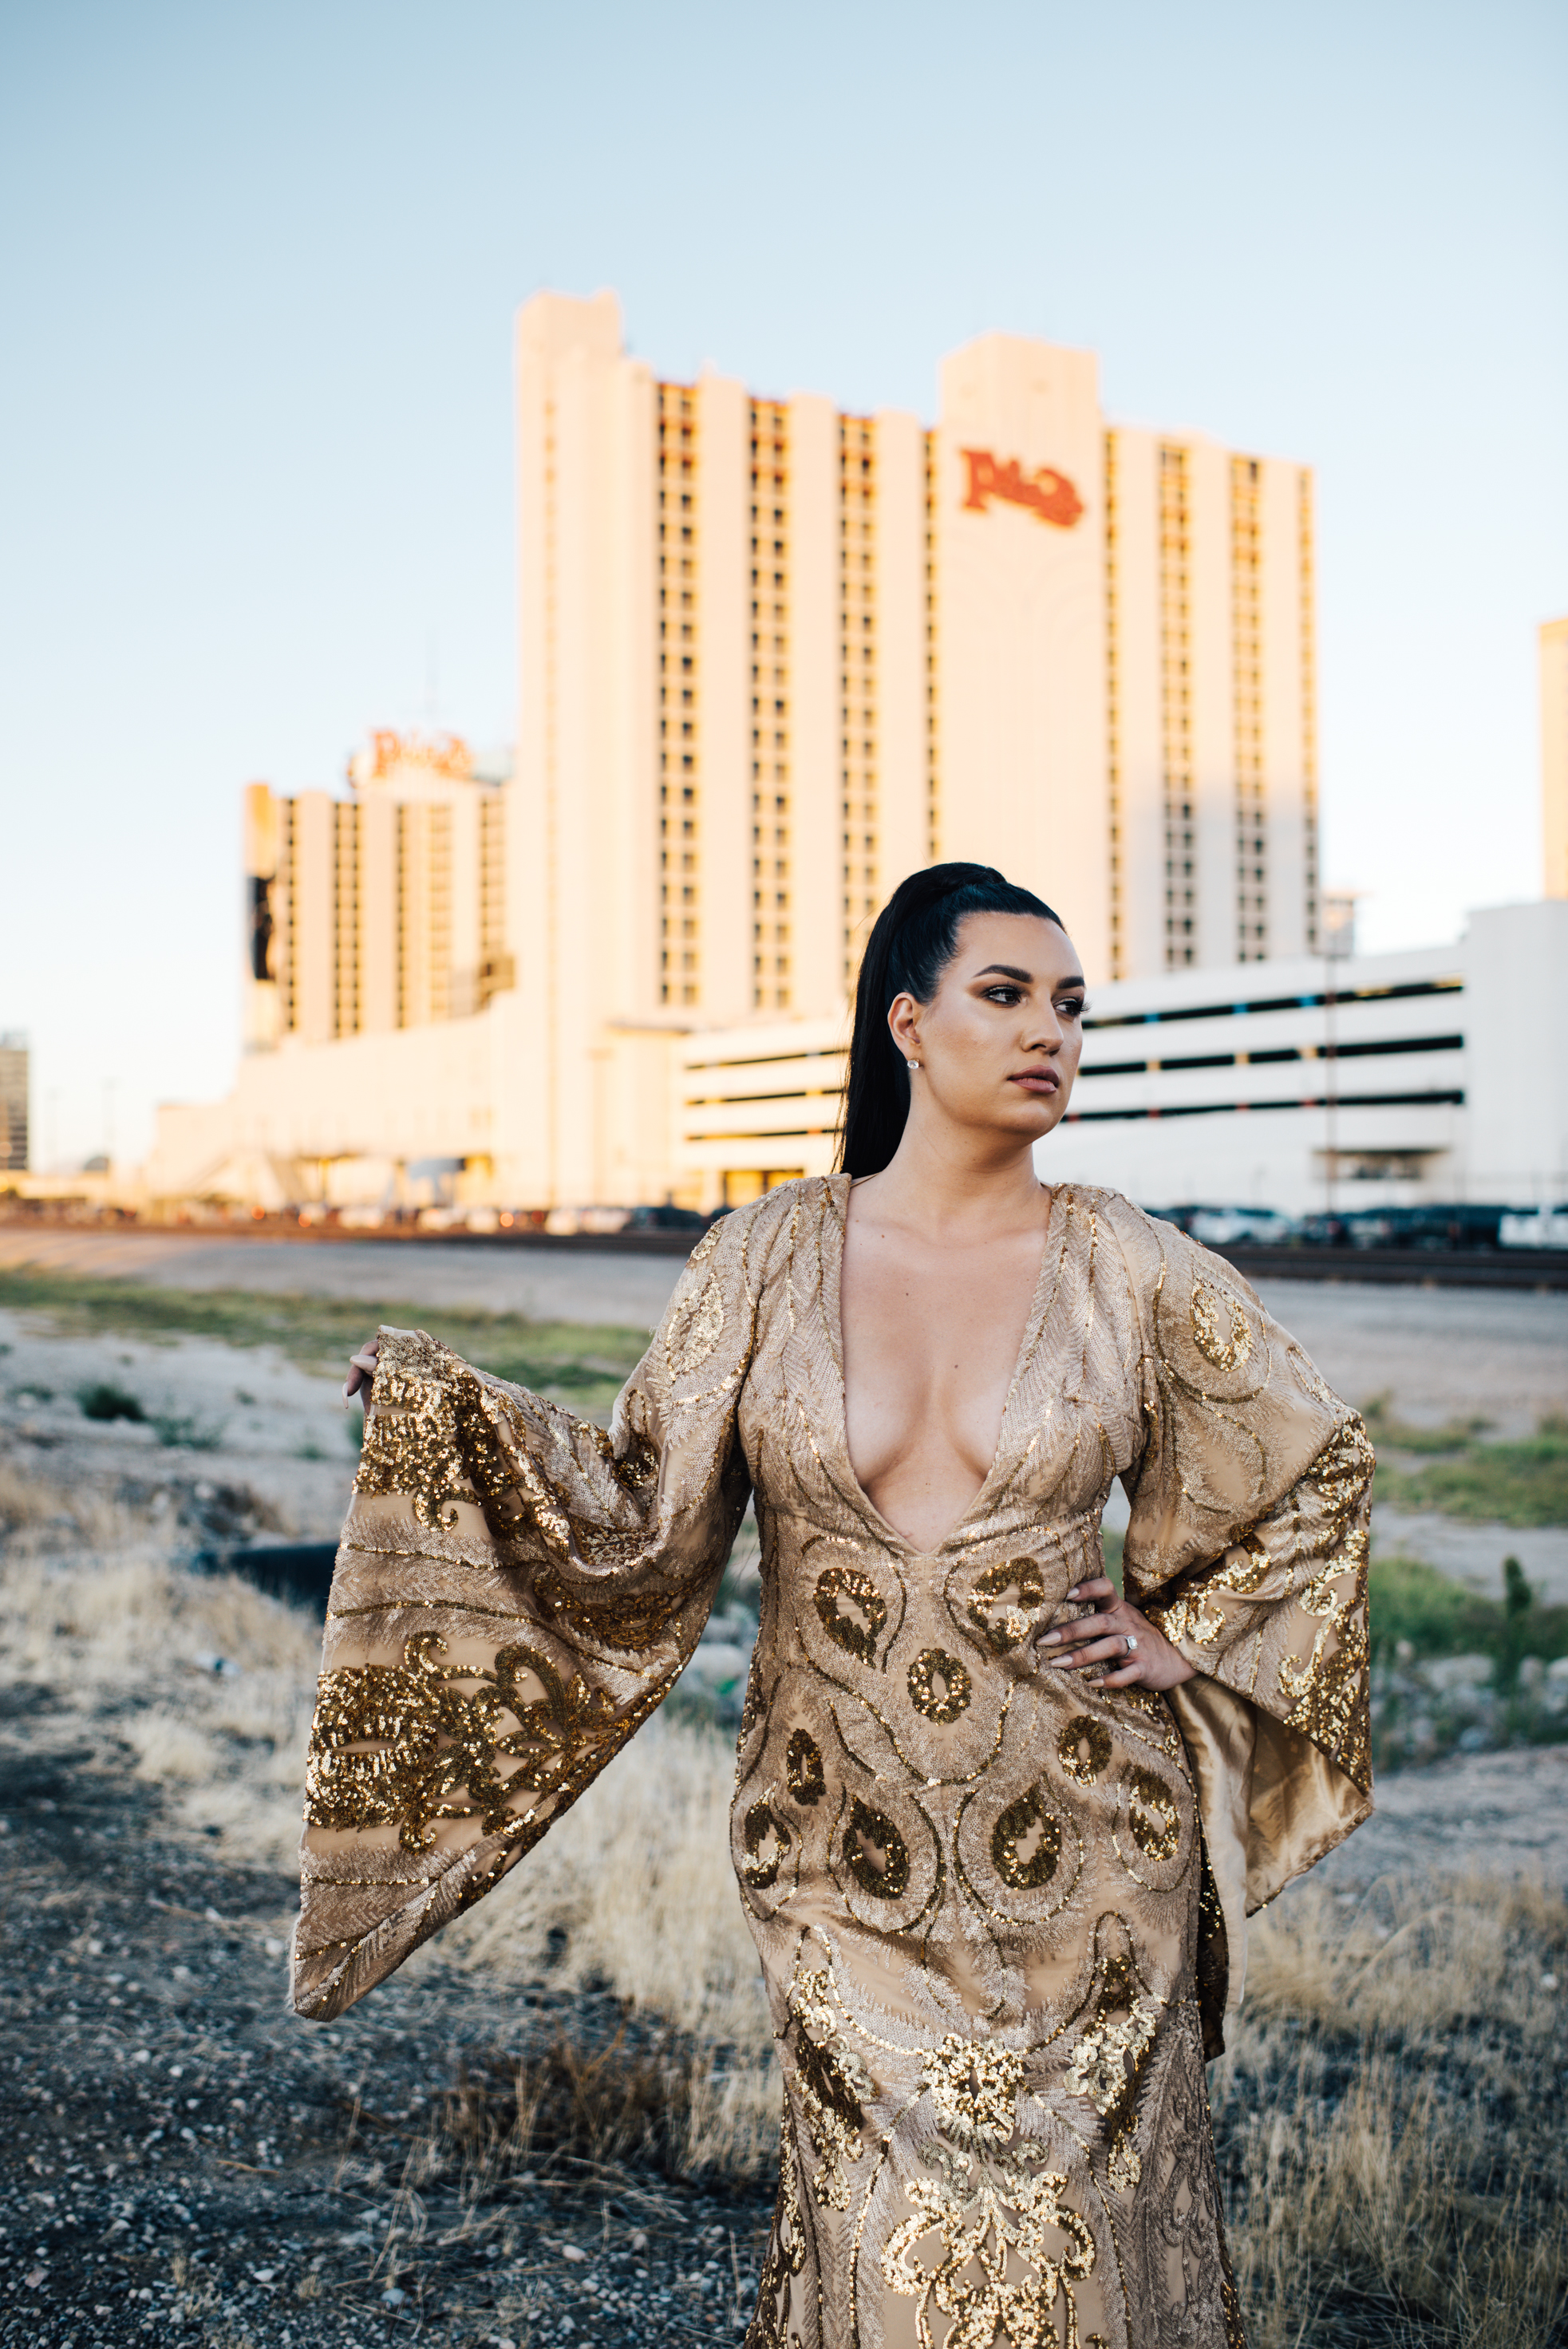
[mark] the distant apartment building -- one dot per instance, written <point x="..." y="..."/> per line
<point x="1554" y="754"/>
<point x="381" y="911"/>
<point x="14" y="1153"/>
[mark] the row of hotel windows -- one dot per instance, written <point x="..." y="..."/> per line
<point x="862" y="881"/>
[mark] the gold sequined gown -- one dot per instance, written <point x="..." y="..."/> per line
<point x="997" y="1908"/>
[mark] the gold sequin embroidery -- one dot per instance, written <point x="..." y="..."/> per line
<point x="411" y="1445"/>
<point x="1006" y="1601"/>
<point x="394" y="1745"/>
<point x="803" y="1773"/>
<point x="1026" y="1843"/>
<point x="1083" y="1732"/>
<point x="973" y="2086"/>
<point x="765" y="1828"/>
<point x="1220" y="1328"/>
<point x="867" y="1834"/>
<point x="940" y="1686"/>
<point x="853" y="1610"/>
<point x="1108" y="2061"/>
<point x="1000" y="2224"/>
<point x="832" y="2081"/>
<point x="1157" y="1825"/>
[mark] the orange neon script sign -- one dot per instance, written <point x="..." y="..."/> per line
<point x="1047" y="493"/>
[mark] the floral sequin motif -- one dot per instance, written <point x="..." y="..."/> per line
<point x="611" y="1618"/>
<point x="832" y="2081"/>
<point x="1006" y="1602"/>
<point x="1026" y="1843"/>
<point x="875" y="1853"/>
<point x="1220" y="1330"/>
<point x="411" y="1444"/>
<point x="973" y="2086"/>
<point x="397" y="1745"/>
<point x="1083" y="1748"/>
<point x="1326" y="1689"/>
<point x="853" y="1610"/>
<point x="1108" y="2061"/>
<point x="767" y="1839"/>
<point x="803" y="1773"/>
<point x="940" y="1686"/>
<point x="1002" y="2274"/>
<point x="1193" y="1617"/>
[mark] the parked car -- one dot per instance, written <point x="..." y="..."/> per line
<point x="1440" y="1225"/>
<point x="1233" y="1226"/>
<point x="1538" y="1227"/>
<point x="667" y="1219"/>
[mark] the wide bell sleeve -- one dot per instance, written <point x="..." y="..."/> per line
<point x="515" y="1592"/>
<point x="1247" y="1545"/>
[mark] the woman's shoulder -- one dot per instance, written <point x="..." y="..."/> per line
<point x="764" y="1227"/>
<point x="1151" y="1244"/>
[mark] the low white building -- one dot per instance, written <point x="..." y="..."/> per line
<point x="1436" y="1074"/>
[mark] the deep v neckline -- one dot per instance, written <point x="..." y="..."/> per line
<point x="831" y="1299"/>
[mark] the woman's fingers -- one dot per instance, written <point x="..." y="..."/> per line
<point x="1098" y="1626"/>
<point x="361" y="1369"/>
<point x="1099" y="1653"/>
<point x="1101" y="1587"/>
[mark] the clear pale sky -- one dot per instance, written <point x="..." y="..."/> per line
<point x="258" y="270"/>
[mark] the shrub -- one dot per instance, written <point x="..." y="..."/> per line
<point x="102" y="1400"/>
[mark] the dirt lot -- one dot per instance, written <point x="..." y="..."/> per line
<point x="184" y="2160"/>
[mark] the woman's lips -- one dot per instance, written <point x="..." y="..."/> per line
<point x="1036" y="1080"/>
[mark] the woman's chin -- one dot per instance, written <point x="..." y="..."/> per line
<point x="1029" y="1115"/>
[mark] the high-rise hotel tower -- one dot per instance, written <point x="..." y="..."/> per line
<point x="773" y="657"/>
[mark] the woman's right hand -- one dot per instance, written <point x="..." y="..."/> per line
<point x="361" y="1371"/>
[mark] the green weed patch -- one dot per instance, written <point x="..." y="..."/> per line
<point x="1453" y="1471"/>
<point x="581" y="1363"/>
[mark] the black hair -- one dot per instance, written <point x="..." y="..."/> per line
<point x="914" y="939"/>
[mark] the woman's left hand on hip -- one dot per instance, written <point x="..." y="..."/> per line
<point x="1130" y="1650"/>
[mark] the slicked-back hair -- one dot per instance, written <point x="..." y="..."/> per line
<point x="911" y="944"/>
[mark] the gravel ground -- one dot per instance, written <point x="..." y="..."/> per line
<point x="183" y="2160"/>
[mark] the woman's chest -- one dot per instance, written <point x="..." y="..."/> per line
<point x="1064" y="1414"/>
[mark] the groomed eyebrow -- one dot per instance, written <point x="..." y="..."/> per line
<point x="1024" y="977"/>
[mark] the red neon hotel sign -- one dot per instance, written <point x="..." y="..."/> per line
<point x="1047" y="494"/>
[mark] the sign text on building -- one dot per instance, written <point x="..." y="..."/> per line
<point x="1047" y="493"/>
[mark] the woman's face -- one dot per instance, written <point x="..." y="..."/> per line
<point x="998" y="1043"/>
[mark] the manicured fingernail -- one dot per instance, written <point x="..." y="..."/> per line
<point x="1053" y="1638"/>
<point x="1072" y="1594"/>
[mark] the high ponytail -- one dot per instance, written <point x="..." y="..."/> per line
<point x="914" y="939"/>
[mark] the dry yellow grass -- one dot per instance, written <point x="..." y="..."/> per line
<point x="1388" y="2121"/>
<point x="638" y="1880"/>
<point x="104" y="1620"/>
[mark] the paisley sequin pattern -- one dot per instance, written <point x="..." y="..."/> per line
<point x="940" y="1686"/>
<point x="1220" y="1328"/>
<point x="994" y="1904"/>
<point x="853" y="1610"/>
<point x="1026" y="1843"/>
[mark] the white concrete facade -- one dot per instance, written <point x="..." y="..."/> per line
<point x="1554" y="755"/>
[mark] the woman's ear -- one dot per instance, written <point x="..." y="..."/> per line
<point x="903" y="1026"/>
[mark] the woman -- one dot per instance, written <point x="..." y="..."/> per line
<point x="996" y="1829"/>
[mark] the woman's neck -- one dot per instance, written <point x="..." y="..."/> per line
<point x="943" y="1179"/>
